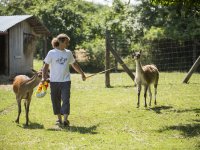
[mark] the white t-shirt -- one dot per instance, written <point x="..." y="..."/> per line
<point x="59" y="64"/>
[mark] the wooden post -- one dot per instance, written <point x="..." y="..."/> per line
<point x="117" y="57"/>
<point x="107" y="60"/>
<point x="122" y="64"/>
<point x="115" y="48"/>
<point x="44" y="46"/>
<point x="192" y="69"/>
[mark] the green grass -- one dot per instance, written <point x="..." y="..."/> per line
<point x="107" y="118"/>
<point x="37" y="64"/>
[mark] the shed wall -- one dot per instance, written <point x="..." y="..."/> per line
<point x="21" y="60"/>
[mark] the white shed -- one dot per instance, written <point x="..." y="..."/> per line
<point x="17" y="43"/>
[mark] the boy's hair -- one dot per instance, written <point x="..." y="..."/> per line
<point x="54" y="42"/>
<point x="59" y="39"/>
<point x="63" y="36"/>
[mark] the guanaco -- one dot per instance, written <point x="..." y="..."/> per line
<point x="145" y="75"/>
<point x="23" y="88"/>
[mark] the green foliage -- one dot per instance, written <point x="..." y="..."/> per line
<point x="96" y="55"/>
<point x="154" y="34"/>
<point x="107" y="118"/>
<point x="71" y="17"/>
<point x="130" y="25"/>
<point x="185" y="3"/>
<point x="175" y="20"/>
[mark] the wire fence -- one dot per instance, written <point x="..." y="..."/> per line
<point x="171" y="55"/>
<point x="167" y="55"/>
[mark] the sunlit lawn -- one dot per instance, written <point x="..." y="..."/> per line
<point x="107" y="118"/>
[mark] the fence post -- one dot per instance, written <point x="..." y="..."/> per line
<point x="117" y="57"/>
<point x="115" y="48"/>
<point x="107" y="60"/>
<point x="44" y="47"/>
<point x="192" y="69"/>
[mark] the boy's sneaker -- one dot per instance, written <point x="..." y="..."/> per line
<point x="66" y="123"/>
<point x="58" y="122"/>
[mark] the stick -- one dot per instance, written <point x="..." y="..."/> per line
<point x="99" y="73"/>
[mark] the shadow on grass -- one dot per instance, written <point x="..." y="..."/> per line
<point x="158" y="109"/>
<point x="196" y="110"/>
<point x="122" y="86"/>
<point x="194" y="83"/>
<point x="188" y="130"/>
<point x="81" y="130"/>
<point x="197" y="120"/>
<point x="32" y="126"/>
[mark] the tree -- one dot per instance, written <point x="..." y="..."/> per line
<point x="185" y="3"/>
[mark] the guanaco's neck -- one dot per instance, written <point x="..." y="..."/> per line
<point x="138" y="67"/>
<point x="33" y="82"/>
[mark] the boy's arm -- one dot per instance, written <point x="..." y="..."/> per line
<point x="79" y="70"/>
<point x="45" y="72"/>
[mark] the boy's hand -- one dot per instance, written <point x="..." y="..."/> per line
<point x="43" y="80"/>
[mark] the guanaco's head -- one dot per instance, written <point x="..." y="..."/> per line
<point x="38" y="73"/>
<point x="136" y="55"/>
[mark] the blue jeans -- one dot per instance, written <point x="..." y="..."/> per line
<point x="60" y="91"/>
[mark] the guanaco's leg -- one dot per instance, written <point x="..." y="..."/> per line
<point x="145" y="95"/>
<point x="139" y="90"/>
<point x="19" y="109"/>
<point x="27" y="108"/>
<point x="155" y="86"/>
<point x="25" y="104"/>
<point x="150" y="95"/>
<point x="27" y="112"/>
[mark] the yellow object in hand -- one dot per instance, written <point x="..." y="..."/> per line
<point x="41" y="90"/>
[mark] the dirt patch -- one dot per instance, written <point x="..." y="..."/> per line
<point x="7" y="87"/>
<point x="8" y="109"/>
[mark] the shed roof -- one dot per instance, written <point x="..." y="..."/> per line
<point x="6" y="22"/>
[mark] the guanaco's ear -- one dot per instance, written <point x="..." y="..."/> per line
<point x="39" y="74"/>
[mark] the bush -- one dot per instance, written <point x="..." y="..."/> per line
<point x="96" y="55"/>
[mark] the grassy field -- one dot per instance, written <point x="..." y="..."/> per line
<point x="107" y="118"/>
